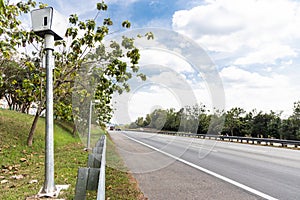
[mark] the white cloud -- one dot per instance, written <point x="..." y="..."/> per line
<point x="251" y="90"/>
<point x="172" y="83"/>
<point x="244" y="33"/>
<point x="267" y="54"/>
<point x="249" y="25"/>
<point x="143" y="100"/>
<point x="237" y="77"/>
<point x="164" y="58"/>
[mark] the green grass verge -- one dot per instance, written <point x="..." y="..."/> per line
<point x="27" y="163"/>
<point x="119" y="183"/>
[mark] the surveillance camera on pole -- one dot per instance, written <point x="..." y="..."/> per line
<point x="50" y="25"/>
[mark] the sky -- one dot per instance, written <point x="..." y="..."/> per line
<point x="252" y="47"/>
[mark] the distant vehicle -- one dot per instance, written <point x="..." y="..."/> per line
<point x="111" y="128"/>
<point x="118" y="129"/>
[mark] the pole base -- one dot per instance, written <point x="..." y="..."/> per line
<point x="54" y="194"/>
<point x="87" y="149"/>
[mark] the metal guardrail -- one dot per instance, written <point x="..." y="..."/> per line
<point x="250" y="140"/>
<point x="92" y="177"/>
<point x="101" y="185"/>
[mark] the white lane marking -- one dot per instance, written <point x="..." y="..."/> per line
<point x="240" y="185"/>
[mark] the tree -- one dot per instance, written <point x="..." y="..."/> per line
<point x="190" y="118"/>
<point x="286" y="129"/>
<point x="158" y="119"/>
<point x="172" y="121"/>
<point x="20" y="85"/>
<point x="260" y="125"/>
<point x="274" y="124"/>
<point x="290" y="127"/>
<point x="68" y="60"/>
<point x="266" y="125"/>
<point x="15" y="75"/>
<point x="12" y="36"/>
<point x="296" y="117"/>
<point x="147" y="120"/>
<point x="215" y="122"/>
<point x="234" y="122"/>
<point x="248" y="123"/>
<point x="140" y="122"/>
<point x="203" y="119"/>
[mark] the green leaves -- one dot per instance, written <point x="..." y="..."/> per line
<point x="142" y="76"/>
<point x="107" y="22"/>
<point x="73" y="19"/>
<point x="134" y="56"/>
<point x="101" y="6"/>
<point x="42" y="5"/>
<point x="149" y="35"/>
<point x="102" y="30"/>
<point x="26" y="6"/>
<point x="9" y="27"/>
<point x="82" y="25"/>
<point x="91" y="24"/>
<point x="76" y="46"/>
<point x="63" y="111"/>
<point x="22" y="82"/>
<point x="126" y="24"/>
<point x="128" y="43"/>
<point x="2" y="7"/>
<point x="60" y="43"/>
<point x="25" y="78"/>
<point x="71" y="32"/>
<point x="30" y="65"/>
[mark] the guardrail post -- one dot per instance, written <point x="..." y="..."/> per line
<point x="93" y="176"/>
<point x="82" y="179"/>
<point x="284" y="145"/>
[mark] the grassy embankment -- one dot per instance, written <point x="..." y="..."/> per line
<point x="22" y="167"/>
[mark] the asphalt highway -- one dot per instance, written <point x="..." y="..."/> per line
<point x="266" y="172"/>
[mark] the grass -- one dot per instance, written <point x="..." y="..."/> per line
<point x="27" y="163"/>
<point x="119" y="183"/>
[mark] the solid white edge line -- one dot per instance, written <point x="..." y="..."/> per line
<point x="240" y="185"/>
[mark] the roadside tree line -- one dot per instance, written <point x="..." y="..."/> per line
<point x="235" y="122"/>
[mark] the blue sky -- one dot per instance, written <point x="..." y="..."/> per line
<point x="255" y="45"/>
<point x="141" y="13"/>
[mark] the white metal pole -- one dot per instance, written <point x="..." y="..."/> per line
<point x="49" y="188"/>
<point x="101" y="185"/>
<point x="89" y="126"/>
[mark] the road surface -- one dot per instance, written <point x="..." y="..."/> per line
<point x="241" y="171"/>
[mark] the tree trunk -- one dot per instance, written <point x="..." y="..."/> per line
<point x="33" y="126"/>
<point x="36" y="118"/>
<point x="32" y="129"/>
<point x="74" y="130"/>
